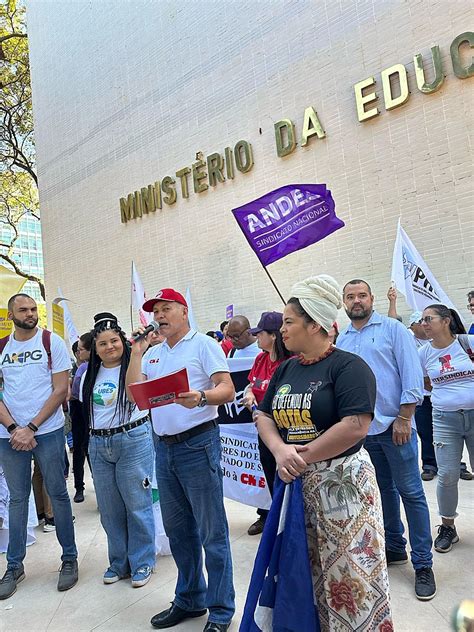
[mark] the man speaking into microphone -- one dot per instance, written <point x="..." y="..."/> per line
<point x="188" y="469"/>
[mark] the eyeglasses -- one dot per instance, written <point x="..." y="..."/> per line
<point x="428" y="319"/>
<point x="236" y="337"/>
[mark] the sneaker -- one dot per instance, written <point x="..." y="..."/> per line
<point x="79" y="496"/>
<point x="68" y="575"/>
<point x="9" y="581"/>
<point x="428" y="475"/>
<point x="49" y="525"/>
<point x="447" y="536"/>
<point x="396" y="558"/>
<point x="466" y="475"/>
<point x="256" y="527"/>
<point x="111" y="577"/>
<point x="425" y="585"/>
<point x="141" y="576"/>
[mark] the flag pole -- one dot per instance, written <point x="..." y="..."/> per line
<point x="131" y="300"/>
<point x="273" y="282"/>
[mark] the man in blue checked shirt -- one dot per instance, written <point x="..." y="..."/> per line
<point x="388" y="348"/>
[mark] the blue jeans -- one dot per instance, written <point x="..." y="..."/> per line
<point x="49" y="454"/>
<point x="122" y="465"/>
<point x="398" y="475"/>
<point x="450" y="430"/>
<point x="424" y="427"/>
<point x="189" y="480"/>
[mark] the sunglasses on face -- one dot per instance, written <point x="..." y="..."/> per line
<point x="428" y="319"/>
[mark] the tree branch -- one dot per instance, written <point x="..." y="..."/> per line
<point x="25" y="275"/>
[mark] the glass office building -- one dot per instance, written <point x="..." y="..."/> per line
<point x="28" y="251"/>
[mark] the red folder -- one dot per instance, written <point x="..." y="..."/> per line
<point x="161" y="390"/>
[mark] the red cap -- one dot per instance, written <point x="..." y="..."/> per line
<point x="166" y="294"/>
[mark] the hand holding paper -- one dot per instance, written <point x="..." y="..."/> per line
<point x="162" y="390"/>
<point x="189" y="399"/>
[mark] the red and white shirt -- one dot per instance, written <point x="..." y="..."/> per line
<point x="261" y="374"/>
<point x="451" y="372"/>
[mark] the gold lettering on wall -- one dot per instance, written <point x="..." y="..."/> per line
<point x="285" y="137"/>
<point x="363" y="99"/>
<point x="460" y="70"/>
<point x="423" y="86"/>
<point x="168" y="187"/>
<point x="215" y="169"/>
<point x="243" y="156"/>
<point x="157" y="187"/>
<point x="229" y="163"/>
<point x="222" y="166"/>
<point x="396" y="71"/>
<point x="311" y="126"/>
<point x="182" y="174"/>
<point x="127" y="208"/>
<point x="199" y="175"/>
<point x="148" y="199"/>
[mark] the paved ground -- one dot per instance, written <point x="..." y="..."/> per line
<point x="37" y="606"/>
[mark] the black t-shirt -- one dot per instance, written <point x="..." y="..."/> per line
<point x="306" y="400"/>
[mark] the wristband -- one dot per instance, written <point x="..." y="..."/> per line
<point x="32" y="426"/>
<point x="12" y="427"/>
<point x="405" y="418"/>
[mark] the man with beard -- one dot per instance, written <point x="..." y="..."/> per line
<point x="35" y="365"/>
<point x="388" y="348"/>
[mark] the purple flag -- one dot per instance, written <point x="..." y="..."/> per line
<point x="287" y="219"/>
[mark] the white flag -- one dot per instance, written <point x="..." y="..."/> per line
<point x="72" y="332"/>
<point x="412" y="276"/>
<point x="192" y="321"/>
<point x="138" y="296"/>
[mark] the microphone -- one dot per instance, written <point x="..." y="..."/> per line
<point x="153" y="326"/>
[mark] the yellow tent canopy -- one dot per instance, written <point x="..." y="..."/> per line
<point x="10" y="284"/>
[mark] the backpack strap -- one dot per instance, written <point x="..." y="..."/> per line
<point x="463" y="340"/>
<point x="4" y="342"/>
<point x="46" y="340"/>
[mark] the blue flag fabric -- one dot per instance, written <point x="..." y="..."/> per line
<point x="280" y="596"/>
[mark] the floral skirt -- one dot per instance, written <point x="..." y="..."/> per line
<point x="344" y="525"/>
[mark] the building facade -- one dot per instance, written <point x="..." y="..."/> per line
<point x="154" y="119"/>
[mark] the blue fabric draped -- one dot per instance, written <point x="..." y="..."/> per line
<point x="280" y="596"/>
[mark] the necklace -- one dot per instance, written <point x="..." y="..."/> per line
<point x="304" y="361"/>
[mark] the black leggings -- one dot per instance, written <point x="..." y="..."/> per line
<point x="80" y="442"/>
<point x="269" y="468"/>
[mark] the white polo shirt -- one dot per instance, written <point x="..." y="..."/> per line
<point x="202" y="356"/>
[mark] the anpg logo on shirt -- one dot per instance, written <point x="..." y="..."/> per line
<point x="22" y="357"/>
<point x="105" y="393"/>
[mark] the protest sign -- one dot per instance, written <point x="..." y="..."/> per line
<point x="244" y="480"/>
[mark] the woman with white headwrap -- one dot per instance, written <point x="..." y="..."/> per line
<point x="314" y="418"/>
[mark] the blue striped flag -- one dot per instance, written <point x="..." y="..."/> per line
<point x="280" y="596"/>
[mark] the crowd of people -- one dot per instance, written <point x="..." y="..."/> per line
<point x="339" y="409"/>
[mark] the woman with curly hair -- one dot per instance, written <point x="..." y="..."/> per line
<point x="122" y="454"/>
